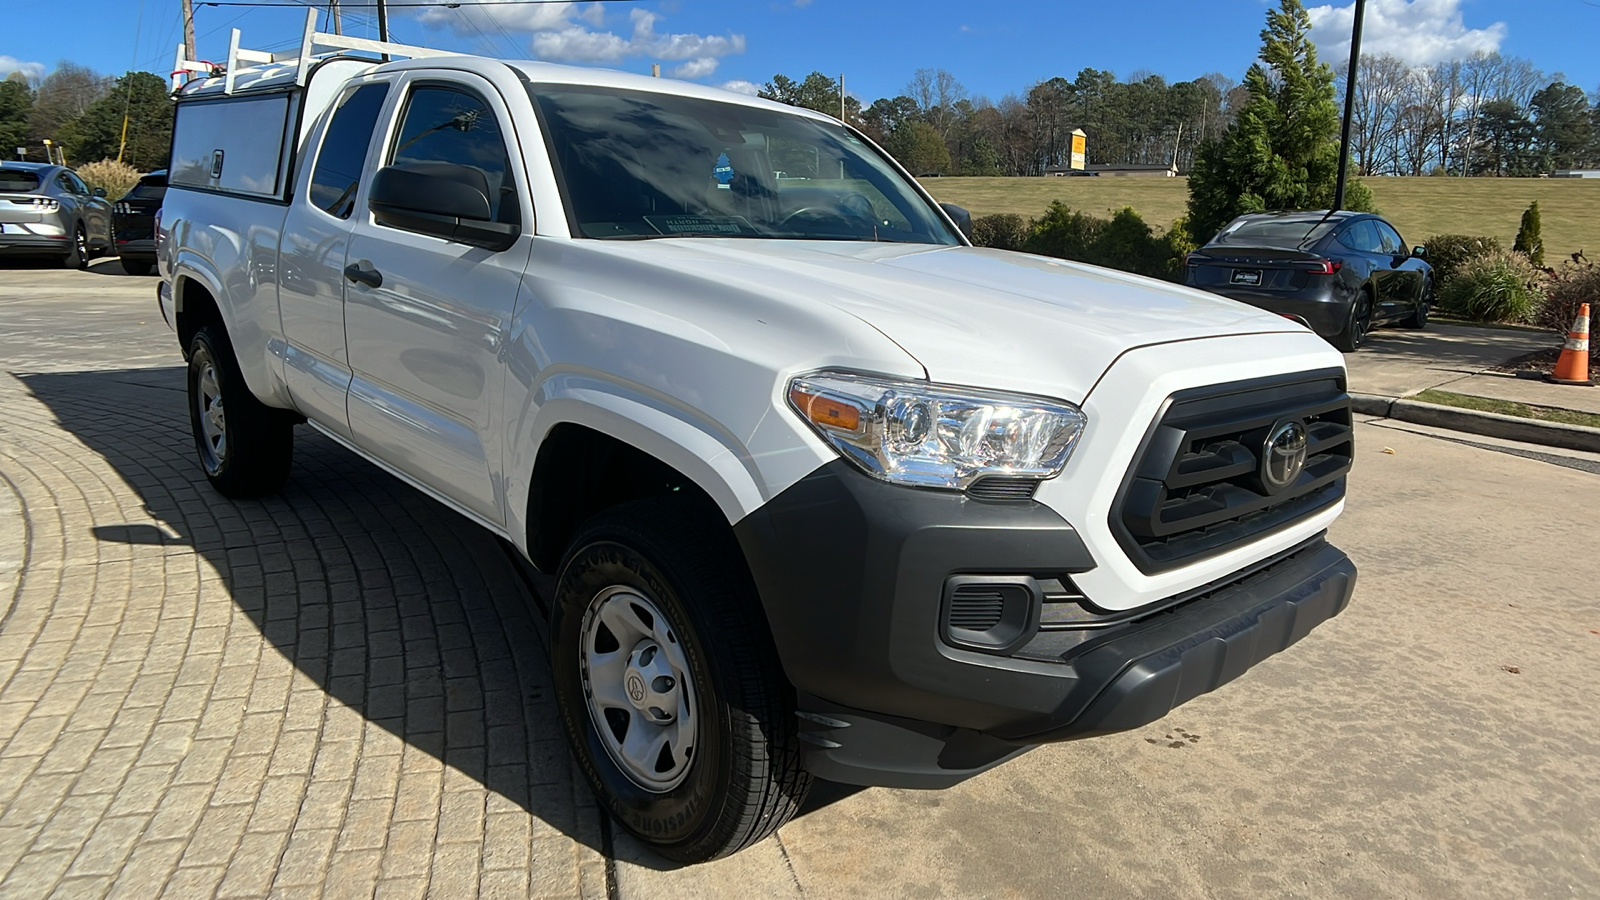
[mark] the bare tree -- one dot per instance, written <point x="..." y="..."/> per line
<point x="937" y="92"/>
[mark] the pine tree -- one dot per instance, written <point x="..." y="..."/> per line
<point x="1282" y="152"/>
<point x="1529" y="242"/>
<point x="143" y="98"/>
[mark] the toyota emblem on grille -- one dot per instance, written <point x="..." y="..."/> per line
<point x="1284" y="456"/>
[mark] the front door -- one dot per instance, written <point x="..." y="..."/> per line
<point x="425" y="318"/>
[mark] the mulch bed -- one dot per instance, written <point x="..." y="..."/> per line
<point x="1539" y="362"/>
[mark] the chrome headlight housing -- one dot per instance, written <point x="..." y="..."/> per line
<point x="928" y="435"/>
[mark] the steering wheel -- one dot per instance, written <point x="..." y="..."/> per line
<point x="818" y="217"/>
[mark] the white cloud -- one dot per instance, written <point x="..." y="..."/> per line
<point x="9" y="64"/>
<point x="1421" y="32"/>
<point x="696" y="68"/>
<point x="740" y="86"/>
<point x="574" y="32"/>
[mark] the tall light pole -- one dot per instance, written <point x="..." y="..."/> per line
<point x="1349" y="105"/>
<point x="333" y="8"/>
<point x="383" y="22"/>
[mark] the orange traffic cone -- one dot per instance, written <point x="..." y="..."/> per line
<point x="1573" y="366"/>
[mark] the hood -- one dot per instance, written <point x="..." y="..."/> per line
<point x="973" y="316"/>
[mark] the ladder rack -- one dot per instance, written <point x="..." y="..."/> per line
<point x="314" y="45"/>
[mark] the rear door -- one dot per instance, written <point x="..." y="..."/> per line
<point x="425" y="340"/>
<point x="311" y="255"/>
<point x="96" y="211"/>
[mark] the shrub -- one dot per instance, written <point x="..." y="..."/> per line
<point x="1179" y="243"/>
<point x="1002" y="232"/>
<point x="116" y="177"/>
<point x="1577" y="282"/>
<point x="1529" y="242"/>
<point x="1063" y="233"/>
<point x="1447" y="253"/>
<point x="1497" y="287"/>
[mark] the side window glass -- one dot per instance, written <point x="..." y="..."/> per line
<point x="451" y="131"/>
<point x="65" y="183"/>
<point x="344" y="150"/>
<point x="1360" y="237"/>
<point x="1389" y="238"/>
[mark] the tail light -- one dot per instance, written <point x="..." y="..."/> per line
<point x="1325" y="267"/>
<point x="1193" y="259"/>
<point x="45" y="204"/>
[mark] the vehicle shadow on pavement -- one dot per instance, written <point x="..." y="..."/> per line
<point x="1445" y="349"/>
<point x="395" y="606"/>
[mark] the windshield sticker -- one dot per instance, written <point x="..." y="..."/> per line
<point x="723" y="172"/>
<point x="730" y="226"/>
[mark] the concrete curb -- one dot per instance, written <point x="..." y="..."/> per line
<point x="1511" y="428"/>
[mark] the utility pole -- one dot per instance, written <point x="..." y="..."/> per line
<point x="1349" y="106"/>
<point x="383" y="22"/>
<point x="188" y="29"/>
<point x="841" y="99"/>
<point x="333" y="9"/>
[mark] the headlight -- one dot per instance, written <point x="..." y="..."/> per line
<point x="912" y="432"/>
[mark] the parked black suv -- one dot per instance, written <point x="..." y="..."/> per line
<point x="1341" y="273"/>
<point x="134" y="223"/>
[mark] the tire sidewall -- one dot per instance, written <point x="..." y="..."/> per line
<point x="201" y="351"/>
<point x="684" y="814"/>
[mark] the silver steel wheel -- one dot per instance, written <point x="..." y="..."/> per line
<point x="82" y="240"/>
<point x="637" y="684"/>
<point x="213" y="423"/>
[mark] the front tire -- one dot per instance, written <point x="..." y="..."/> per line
<point x="245" y="446"/>
<point x="1418" y="319"/>
<point x="668" y="684"/>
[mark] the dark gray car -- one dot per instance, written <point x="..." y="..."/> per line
<point x="1341" y="273"/>
<point x="47" y="210"/>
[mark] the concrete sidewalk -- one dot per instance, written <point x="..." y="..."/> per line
<point x="1396" y="365"/>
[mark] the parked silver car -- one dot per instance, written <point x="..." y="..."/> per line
<point x="47" y="210"/>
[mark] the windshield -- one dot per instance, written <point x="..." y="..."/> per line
<point x="637" y="165"/>
<point x="18" y="180"/>
<point x="1290" y="233"/>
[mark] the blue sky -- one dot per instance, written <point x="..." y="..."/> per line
<point x="992" y="48"/>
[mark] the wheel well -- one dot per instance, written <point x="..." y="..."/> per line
<point x="196" y="308"/>
<point x="580" y="472"/>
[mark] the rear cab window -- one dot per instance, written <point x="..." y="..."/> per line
<point x="344" y="149"/>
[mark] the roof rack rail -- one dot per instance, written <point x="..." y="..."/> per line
<point x="313" y="45"/>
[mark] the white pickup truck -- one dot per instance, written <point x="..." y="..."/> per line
<point x="825" y="489"/>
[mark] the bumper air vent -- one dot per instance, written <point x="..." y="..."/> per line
<point x="1003" y="488"/>
<point x="1228" y="464"/>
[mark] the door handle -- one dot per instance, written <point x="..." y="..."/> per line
<point x="368" y="276"/>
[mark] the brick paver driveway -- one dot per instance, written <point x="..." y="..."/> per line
<point x="332" y="691"/>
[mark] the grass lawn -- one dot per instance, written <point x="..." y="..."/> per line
<point x="1508" y="407"/>
<point x="1419" y="207"/>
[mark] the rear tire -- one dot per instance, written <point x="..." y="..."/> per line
<point x="135" y="267"/>
<point x="244" y="446"/>
<point x="1355" y="327"/>
<point x="657" y="588"/>
<point x="78" y="256"/>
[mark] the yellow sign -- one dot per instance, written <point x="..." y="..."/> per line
<point x="1078" y="143"/>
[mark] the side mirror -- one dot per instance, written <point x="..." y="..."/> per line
<point x="1419" y="252"/>
<point x="961" y="217"/>
<point x="99" y="192"/>
<point x="440" y="199"/>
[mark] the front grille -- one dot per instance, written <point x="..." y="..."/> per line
<point x="1196" y="487"/>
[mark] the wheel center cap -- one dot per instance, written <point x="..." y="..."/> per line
<point x="649" y="683"/>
